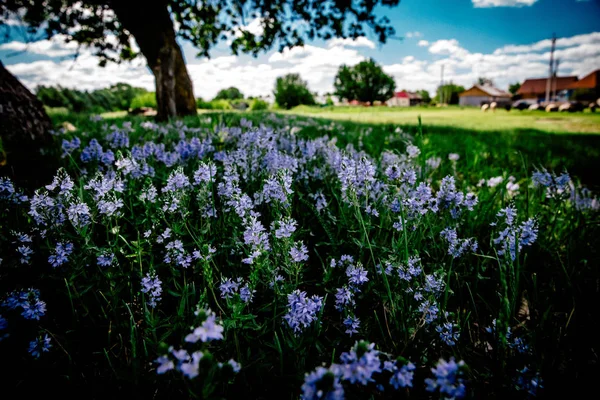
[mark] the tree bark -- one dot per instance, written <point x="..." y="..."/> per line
<point x="154" y="33"/>
<point x="24" y="131"/>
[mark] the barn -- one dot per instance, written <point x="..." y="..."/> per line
<point x="483" y="94"/>
<point x="536" y="88"/>
<point x="404" y="99"/>
<point x="588" y="88"/>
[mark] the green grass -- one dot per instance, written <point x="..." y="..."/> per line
<point x="465" y="118"/>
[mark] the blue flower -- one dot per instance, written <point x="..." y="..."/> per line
<point x="360" y="363"/>
<point x="403" y="377"/>
<point x="246" y="294"/>
<point x="446" y="379"/>
<point x="61" y="254"/>
<point x="151" y="285"/>
<point x="323" y="384"/>
<point x="343" y="297"/>
<point x="357" y="276"/>
<point x="299" y="253"/>
<point x="208" y="330"/>
<point x="39" y="346"/>
<point x="352" y="324"/>
<point x="302" y="310"/>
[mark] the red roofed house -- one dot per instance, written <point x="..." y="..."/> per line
<point x="536" y="88"/>
<point x="588" y="87"/>
<point x="404" y="99"/>
<point x="483" y="94"/>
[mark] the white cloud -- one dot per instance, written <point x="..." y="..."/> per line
<point x="588" y="38"/>
<point x="447" y="47"/>
<point x="415" y="34"/>
<point x="502" y="3"/>
<point x="423" y="43"/>
<point x="318" y="65"/>
<point x="360" y="41"/>
<point x="55" y="47"/>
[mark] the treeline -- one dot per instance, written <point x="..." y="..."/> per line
<point x="120" y="96"/>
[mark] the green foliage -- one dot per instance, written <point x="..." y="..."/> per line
<point x="425" y="96"/>
<point x="258" y="105"/>
<point x="291" y="91"/>
<point x="114" y="98"/>
<point x="144" y="100"/>
<point x="514" y="87"/>
<point x="107" y="25"/>
<point x="483" y="81"/>
<point x="448" y="93"/>
<point x="220" y="105"/>
<point x="231" y="93"/>
<point x="365" y="82"/>
<point x="203" y="104"/>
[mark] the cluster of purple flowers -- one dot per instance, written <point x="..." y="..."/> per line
<point x="284" y="228"/>
<point x="255" y="235"/>
<point x="446" y="379"/>
<point x="209" y="330"/>
<point x="358" y="366"/>
<point x="176" y="255"/>
<point x="29" y="301"/>
<point x="189" y="364"/>
<point x="556" y="186"/>
<point x="229" y="288"/>
<point x="302" y="310"/>
<point x="106" y="259"/>
<point x="39" y="345"/>
<point x="449" y="198"/>
<point x="456" y="246"/>
<point x="8" y="192"/>
<point x="94" y="152"/>
<point x="62" y="251"/>
<point x="152" y="286"/>
<point x="299" y="253"/>
<point x="512" y="238"/>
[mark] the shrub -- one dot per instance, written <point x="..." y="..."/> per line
<point x="292" y="91"/>
<point x="144" y="100"/>
<point x="259" y="104"/>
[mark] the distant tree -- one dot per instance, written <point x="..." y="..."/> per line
<point x="291" y="91"/>
<point x="483" y="81"/>
<point x="365" y="81"/>
<point x="514" y="87"/>
<point x="425" y="96"/>
<point x="231" y="93"/>
<point x="448" y="93"/>
<point x="116" y="97"/>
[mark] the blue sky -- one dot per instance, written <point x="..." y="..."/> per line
<point x="505" y="40"/>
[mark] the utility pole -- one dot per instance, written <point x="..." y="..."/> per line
<point x="442" y="87"/>
<point x="549" y="82"/>
<point x="554" y="79"/>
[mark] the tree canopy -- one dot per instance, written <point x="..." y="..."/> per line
<point x="113" y="98"/>
<point x="483" y="81"/>
<point x="285" y="23"/>
<point x="365" y="81"/>
<point x="514" y="87"/>
<point x="448" y="93"/>
<point x="231" y="93"/>
<point x="291" y="91"/>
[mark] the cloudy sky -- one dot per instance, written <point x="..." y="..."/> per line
<point x="505" y="40"/>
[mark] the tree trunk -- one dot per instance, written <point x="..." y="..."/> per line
<point x="153" y="31"/>
<point x="24" y="131"/>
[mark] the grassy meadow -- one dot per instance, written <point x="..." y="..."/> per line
<point x="462" y="117"/>
<point x="306" y="254"/>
